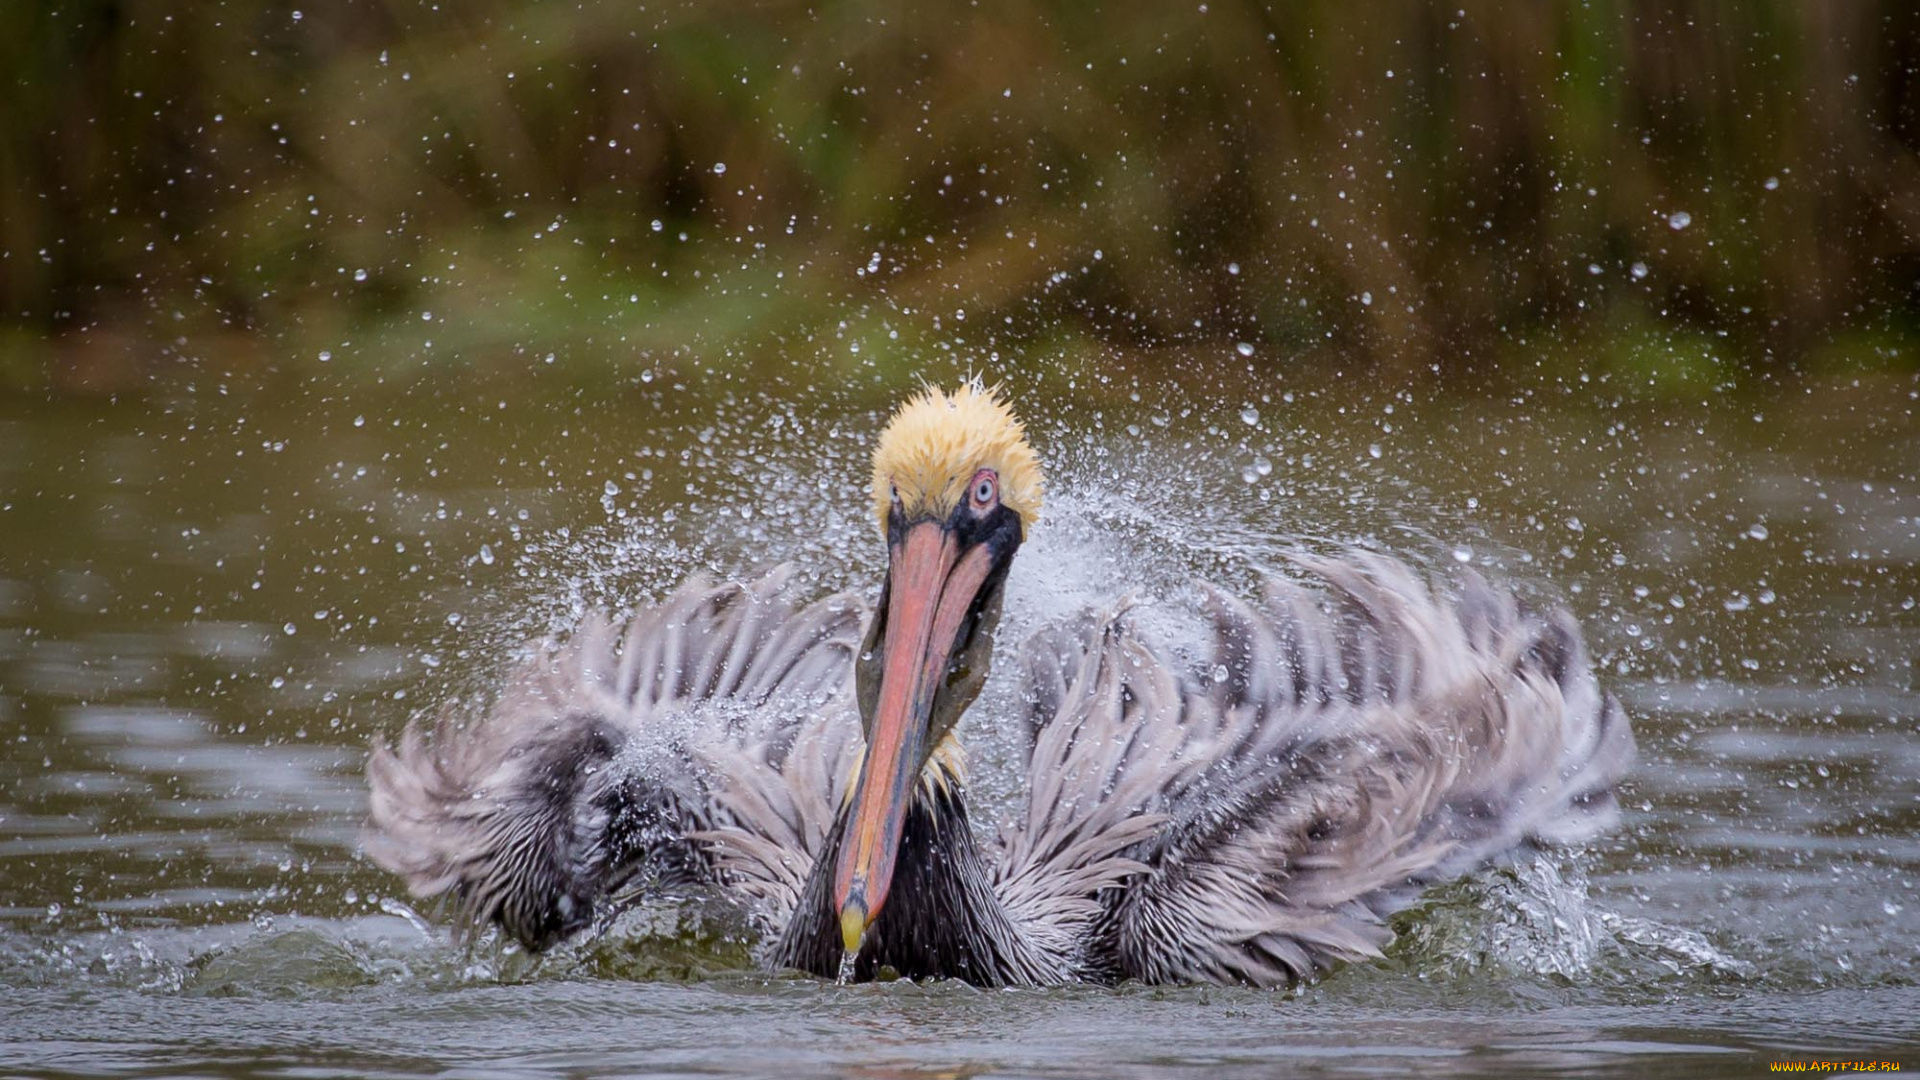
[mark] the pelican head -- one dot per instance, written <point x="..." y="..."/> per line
<point x="955" y="488"/>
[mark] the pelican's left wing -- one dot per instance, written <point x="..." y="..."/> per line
<point x="705" y="739"/>
<point x="1339" y="748"/>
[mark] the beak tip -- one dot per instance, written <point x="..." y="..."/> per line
<point x="853" y="926"/>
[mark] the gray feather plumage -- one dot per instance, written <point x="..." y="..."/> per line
<point x="1254" y="818"/>
<point x="616" y="752"/>
<point x="1344" y="745"/>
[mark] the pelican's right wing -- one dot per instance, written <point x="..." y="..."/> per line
<point x="1339" y="748"/>
<point x="706" y="739"/>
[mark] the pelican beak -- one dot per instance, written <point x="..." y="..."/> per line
<point x="932" y="583"/>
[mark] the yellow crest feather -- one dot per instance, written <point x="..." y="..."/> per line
<point x="936" y="441"/>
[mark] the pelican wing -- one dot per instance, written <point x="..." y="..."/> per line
<point x="1346" y="743"/>
<point x="706" y="739"/>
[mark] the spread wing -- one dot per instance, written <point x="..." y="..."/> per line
<point x="706" y="739"/>
<point x="1347" y="742"/>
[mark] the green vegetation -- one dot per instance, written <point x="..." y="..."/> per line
<point x="1698" y="192"/>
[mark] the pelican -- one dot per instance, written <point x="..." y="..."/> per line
<point x="1250" y="817"/>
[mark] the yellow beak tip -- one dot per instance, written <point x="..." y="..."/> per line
<point x="853" y="927"/>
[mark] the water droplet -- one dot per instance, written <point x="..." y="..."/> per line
<point x="1757" y="531"/>
<point x="359" y="421"/>
<point x="1463" y="554"/>
<point x="1220" y="673"/>
<point x="719" y="168"/>
<point x="1373" y="450"/>
<point x="658" y="225"/>
<point x="1638" y="270"/>
<point x="359" y="275"/>
<point x="426" y="316"/>
<point x="1233" y="268"/>
<point x="1250" y="416"/>
<point x="326" y="355"/>
<point x="1772" y="183"/>
<point x="486" y="554"/>
<point x="290" y="629"/>
<point x="1244" y="348"/>
<point x="1366" y="299"/>
<point x="1678" y="220"/>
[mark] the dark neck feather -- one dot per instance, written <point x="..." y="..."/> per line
<point x="941" y="919"/>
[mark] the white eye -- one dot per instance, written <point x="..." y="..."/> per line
<point x="984" y="490"/>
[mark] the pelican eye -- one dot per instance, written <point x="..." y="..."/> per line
<point x="986" y="488"/>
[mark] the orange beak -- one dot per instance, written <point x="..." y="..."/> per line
<point x="932" y="585"/>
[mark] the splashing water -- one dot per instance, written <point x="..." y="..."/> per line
<point x="1536" y="918"/>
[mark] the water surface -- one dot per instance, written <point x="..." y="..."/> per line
<point x="211" y="600"/>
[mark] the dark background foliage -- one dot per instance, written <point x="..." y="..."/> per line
<point x="1676" y="194"/>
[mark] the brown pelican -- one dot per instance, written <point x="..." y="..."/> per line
<point x="1254" y="817"/>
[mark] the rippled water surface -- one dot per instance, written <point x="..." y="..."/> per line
<point x="210" y="601"/>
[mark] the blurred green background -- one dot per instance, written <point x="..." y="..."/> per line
<point x="1673" y="196"/>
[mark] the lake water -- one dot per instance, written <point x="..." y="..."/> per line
<point x="211" y="598"/>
